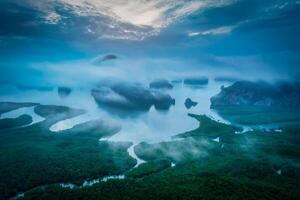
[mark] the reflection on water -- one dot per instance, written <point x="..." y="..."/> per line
<point x="91" y="182"/>
<point x="21" y="111"/>
<point x="69" y="123"/>
<point x="217" y="139"/>
<point x="279" y="172"/>
<point x="131" y="152"/>
<point x="156" y="126"/>
<point x="152" y="126"/>
<point x="73" y="186"/>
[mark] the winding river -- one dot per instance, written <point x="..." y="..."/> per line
<point x="151" y="127"/>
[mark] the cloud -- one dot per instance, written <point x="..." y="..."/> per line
<point x="18" y="21"/>
<point x="154" y="13"/>
<point x="52" y="18"/>
<point x="135" y="20"/>
<point x="85" y="72"/>
<point x="216" y="31"/>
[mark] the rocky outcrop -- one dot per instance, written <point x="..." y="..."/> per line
<point x="196" y="81"/>
<point x="98" y="61"/>
<point x="161" y="84"/>
<point x="131" y="97"/>
<point x="109" y="57"/>
<point x="64" y="92"/>
<point x="281" y="95"/>
<point x="226" y="79"/>
<point x="190" y="103"/>
<point x="176" y="81"/>
<point x="162" y="101"/>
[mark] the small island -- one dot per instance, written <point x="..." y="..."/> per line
<point x="254" y="103"/>
<point x="161" y="84"/>
<point x="190" y="103"/>
<point x="64" y="92"/>
<point x="196" y="81"/>
<point x="127" y="96"/>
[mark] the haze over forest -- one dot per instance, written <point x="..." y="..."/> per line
<point x="113" y="99"/>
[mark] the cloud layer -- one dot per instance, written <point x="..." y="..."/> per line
<point x="250" y="35"/>
<point x="154" y="13"/>
<point x="127" y="19"/>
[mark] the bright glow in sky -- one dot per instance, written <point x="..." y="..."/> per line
<point x="131" y="19"/>
<point x="154" y="13"/>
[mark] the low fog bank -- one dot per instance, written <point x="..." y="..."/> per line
<point x="86" y="73"/>
<point x="79" y="77"/>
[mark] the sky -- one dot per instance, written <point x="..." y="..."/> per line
<point x="62" y="41"/>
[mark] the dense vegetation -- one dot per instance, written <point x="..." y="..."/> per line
<point x="232" y="172"/>
<point x="149" y="168"/>
<point x="8" y="123"/>
<point x="251" y="165"/>
<point x="256" y="115"/>
<point x="209" y="128"/>
<point x="177" y="151"/>
<point x="279" y="95"/>
<point x="33" y="156"/>
<point x="255" y="103"/>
